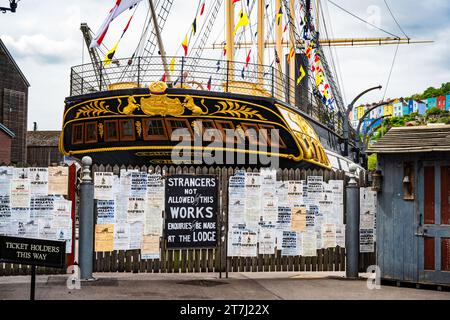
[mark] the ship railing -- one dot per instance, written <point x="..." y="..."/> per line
<point x="203" y="74"/>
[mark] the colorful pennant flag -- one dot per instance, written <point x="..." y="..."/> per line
<point x="209" y="83"/>
<point x="218" y="66"/>
<point x="243" y="21"/>
<point x="247" y="60"/>
<point x="242" y="73"/>
<point x="110" y="55"/>
<point x="194" y="26"/>
<point x="185" y="45"/>
<point x="291" y="54"/>
<point x="302" y="75"/>
<point x="203" y="8"/>
<point x="163" y="78"/>
<point x="172" y="66"/>
<point x="119" y="7"/>
<point x="279" y="16"/>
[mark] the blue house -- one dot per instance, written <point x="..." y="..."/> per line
<point x="432" y="103"/>
<point x="417" y="106"/>
<point x="421" y="108"/>
<point x="412" y="106"/>
<point x="447" y="102"/>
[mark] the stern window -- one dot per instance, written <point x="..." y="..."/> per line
<point x="126" y="130"/>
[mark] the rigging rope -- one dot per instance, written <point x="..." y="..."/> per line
<point x="361" y="19"/>
<point x="390" y="72"/>
<point x="393" y="17"/>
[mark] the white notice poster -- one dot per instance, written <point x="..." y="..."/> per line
<point x="105" y="211"/>
<point x="58" y="180"/>
<point x="249" y="243"/>
<point x="136" y="209"/>
<point x="234" y="240"/>
<point x="252" y="200"/>
<point x="267" y="239"/>
<point x="121" y="236"/>
<point x="236" y="200"/>
<point x="155" y="205"/>
<point x="42" y="206"/>
<point x="138" y="184"/>
<point x="38" y="181"/>
<point x="290" y="244"/>
<point x="103" y="186"/>
<point x="309" y="244"/>
<point x="328" y="235"/>
<point x="136" y="233"/>
<point x="20" y="173"/>
<point x="20" y="193"/>
<point x="150" y="247"/>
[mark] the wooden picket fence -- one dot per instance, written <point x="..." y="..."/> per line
<point x="213" y="260"/>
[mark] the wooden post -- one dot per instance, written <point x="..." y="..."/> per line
<point x="229" y="14"/>
<point x="261" y="41"/>
<point x="33" y="282"/>
<point x="72" y="197"/>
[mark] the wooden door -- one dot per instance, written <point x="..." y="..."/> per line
<point x="434" y="223"/>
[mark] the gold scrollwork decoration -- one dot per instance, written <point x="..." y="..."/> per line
<point x="234" y="109"/>
<point x="100" y="130"/>
<point x="138" y="128"/>
<point x="94" y="108"/>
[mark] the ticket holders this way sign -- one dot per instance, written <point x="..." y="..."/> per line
<point x="34" y="252"/>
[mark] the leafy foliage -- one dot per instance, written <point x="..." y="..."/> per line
<point x="432" y="92"/>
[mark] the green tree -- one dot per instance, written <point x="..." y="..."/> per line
<point x="372" y="162"/>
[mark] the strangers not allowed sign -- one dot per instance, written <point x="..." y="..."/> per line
<point x="191" y="205"/>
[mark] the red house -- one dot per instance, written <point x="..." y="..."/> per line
<point x="441" y="102"/>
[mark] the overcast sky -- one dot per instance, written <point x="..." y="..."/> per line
<point x="44" y="38"/>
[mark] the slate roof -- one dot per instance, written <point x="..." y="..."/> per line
<point x="43" y="138"/>
<point x="8" y="54"/>
<point x="432" y="138"/>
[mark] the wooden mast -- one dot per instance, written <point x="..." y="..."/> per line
<point x="292" y="47"/>
<point x="160" y="42"/>
<point x="279" y="51"/>
<point x="229" y="46"/>
<point x="261" y="40"/>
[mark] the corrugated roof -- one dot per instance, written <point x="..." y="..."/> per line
<point x="2" y="45"/>
<point x="43" y="138"/>
<point x="7" y="131"/>
<point x="432" y="138"/>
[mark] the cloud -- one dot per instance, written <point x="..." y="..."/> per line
<point x="40" y="48"/>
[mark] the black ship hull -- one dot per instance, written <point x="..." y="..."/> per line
<point x="140" y="126"/>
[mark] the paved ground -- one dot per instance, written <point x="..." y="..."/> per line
<point x="239" y="286"/>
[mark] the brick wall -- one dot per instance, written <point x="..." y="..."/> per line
<point x="14" y="105"/>
<point x="5" y="149"/>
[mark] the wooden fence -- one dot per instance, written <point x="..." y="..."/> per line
<point x="214" y="260"/>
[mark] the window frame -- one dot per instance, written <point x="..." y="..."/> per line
<point x="170" y="130"/>
<point x="225" y="138"/>
<point x="106" y="135"/>
<point x="148" y="137"/>
<point x="86" y="126"/>
<point x="246" y="127"/>
<point x="214" y="127"/>
<point x="268" y="127"/>
<point x="82" y="133"/>
<point x="121" y="136"/>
